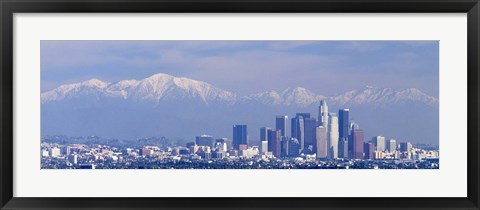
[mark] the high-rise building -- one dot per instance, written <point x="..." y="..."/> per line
<point x="343" y="148"/>
<point x="321" y="138"/>
<point x="357" y="139"/>
<point x="274" y="142"/>
<point x="323" y="114"/>
<point x="205" y="140"/>
<point x="392" y="145"/>
<point x="343" y="123"/>
<point x="369" y="150"/>
<point x="298" y="129"/>
<point x="73" y="159"/>
<point x="239" y="136"/>
<point x="379" y="142"/>
<point x="332" y="136"/>
<point x="264" y="133"/>
<point x="293" y="147"/>
<point x="405" y="146"/>
<point x="264" y="146"/>
<point x="281" y="124"/>
<point x="310" y="133"/>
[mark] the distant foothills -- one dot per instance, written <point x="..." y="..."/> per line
<point x="182" y="108"/>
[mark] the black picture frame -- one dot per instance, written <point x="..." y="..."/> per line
<point x="9" y="7"/>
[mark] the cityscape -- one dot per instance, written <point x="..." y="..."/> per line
<point x="239" y="104"/>
<point x="330" y="141"/>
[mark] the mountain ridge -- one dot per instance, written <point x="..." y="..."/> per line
<point x="163" y="87"/>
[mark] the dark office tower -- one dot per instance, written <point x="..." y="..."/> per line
<point x="369" y="150"/>
<point x="274" y="142"/>
<point x="239" y="136"/>
<point x="311" y="133"/>
<point x="281" y="124"/>
<point x="264" y="133"/>
<point x="405" y="146"/>
<point x="298" y="130"/>
<point x="357" y="139"/>
<point x="205" y="140"/>
<point x="343" y="148"/>
<point x="343" y="123"/>
<point x="293" y="147"/>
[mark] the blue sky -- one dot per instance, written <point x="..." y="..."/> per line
<point x="245" y="67"/>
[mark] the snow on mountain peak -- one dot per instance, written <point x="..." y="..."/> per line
<point x="164" y="87"/>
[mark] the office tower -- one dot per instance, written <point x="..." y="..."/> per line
<point x="205" y="140"/>
<point x="298" y="129"/>
<point x="264" y="133"/>
<point x="239" y="136"/>
<point x="343" y="123"/>
<point x="321" y="138"/>
<point x="264" y="146"/>
<point x="310" y="133"/>
<point x="369" y="150"/>
<point x="405" y="146"/>
<point x="332" y="136"/>
<point x="392" y="145"/>
<point x="323" y="114"/>
<point x="357" y="140"/>
<point x="281" y="124"/>
<point x="293" y="147"/>
<point x="379" y="142"/>
<point x="343" y="148"/>
<point x="274" y="142"/>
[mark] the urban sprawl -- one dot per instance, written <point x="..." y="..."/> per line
<point x="331" y="142"/>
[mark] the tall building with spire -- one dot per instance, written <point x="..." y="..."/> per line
<point x="332" y="136"/>
<point x="323" y="114"/>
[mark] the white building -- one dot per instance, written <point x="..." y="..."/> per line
<point x="263" y="147"/>
<point x="55" y="152"/>
<point x="392" y="145"/>
<point x="321" y="142"/>
<point x="379" y="142"/>
<point x="332" y="136"/>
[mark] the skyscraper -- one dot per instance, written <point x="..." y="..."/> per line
<point x="321" y="138"/>
<point x="343" y="148"/>
<point x="343" y="123"/>
<point x="405" y="146"/>
<point x="357" y="139"/>
<point x="379" y="142"/>
<point x="332" y="136"/>
<point x="323" y="114"/>
<point x="239" y="136"/>
<point x="274" y="142"/>
<point x="298" y="128"/>
<point x="369" y="150"/>
<point x="281" y="124"/>
<point x="392" y="145"/>
<point x="264" y="133"/>
<point x="310" y="133"/>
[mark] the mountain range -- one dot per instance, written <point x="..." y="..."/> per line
<point x="163" y="87"/>
<point x="187" y="107"/>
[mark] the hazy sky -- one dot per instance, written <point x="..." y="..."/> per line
<point x="245" y="67"/>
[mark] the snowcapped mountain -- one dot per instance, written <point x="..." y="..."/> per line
<point x="159" y="87"/>
<point x="163" y="87"/>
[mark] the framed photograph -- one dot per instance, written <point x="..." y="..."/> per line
<point x="239" y="105"/>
